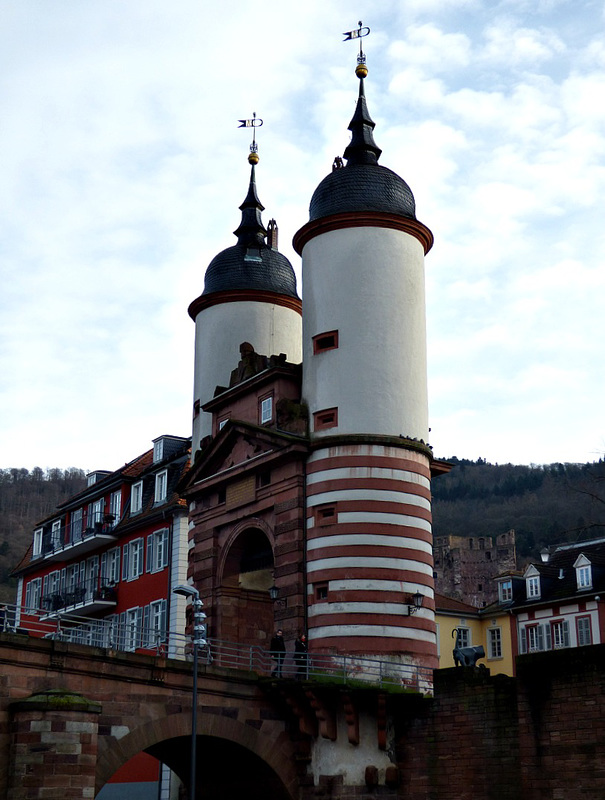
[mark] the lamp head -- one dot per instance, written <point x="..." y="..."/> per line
<point x="186" y="591"/>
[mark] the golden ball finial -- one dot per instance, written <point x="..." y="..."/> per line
<point x="361" y="71"/>
<point x="253" y="158"/>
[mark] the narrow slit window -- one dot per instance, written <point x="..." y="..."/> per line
<point x="325" y="515"/>
<point x="328" y="418"/>
<point x="325" y="341"/>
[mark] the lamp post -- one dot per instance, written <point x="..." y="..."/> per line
<point x="198" y="640"/>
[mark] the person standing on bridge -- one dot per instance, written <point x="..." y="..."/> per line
<point x="278" y="652"/>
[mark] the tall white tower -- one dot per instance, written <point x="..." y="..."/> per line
<point x="249" y="296"/>
<point x="369" y="541"/>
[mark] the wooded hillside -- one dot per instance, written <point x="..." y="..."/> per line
<point x="544" y="504"/>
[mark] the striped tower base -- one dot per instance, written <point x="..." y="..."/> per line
<point x="369" y="549"/>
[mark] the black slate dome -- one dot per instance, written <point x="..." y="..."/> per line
<point x="257" y="267"/>
<point x="363" y="185"/>
<point x="250" y="264"/>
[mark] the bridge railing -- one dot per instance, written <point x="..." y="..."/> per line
<point x="113" y="634"/>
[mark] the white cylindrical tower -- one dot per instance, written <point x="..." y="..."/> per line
<point x="249" y="296"/>
<point x="369" y="541"/>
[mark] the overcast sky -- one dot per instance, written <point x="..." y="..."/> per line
<point x="122" y="169"/>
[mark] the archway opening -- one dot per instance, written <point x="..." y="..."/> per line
<point x="225" y="770"/>
<point x="244" y="608"/>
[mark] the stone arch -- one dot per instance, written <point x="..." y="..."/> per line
<point x="272" y="747"/>
<point x="245" y="574"/>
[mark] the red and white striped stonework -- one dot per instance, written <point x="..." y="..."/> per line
<point x="369" y="548"/>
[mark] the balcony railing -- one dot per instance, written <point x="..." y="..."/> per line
<point x="78" y="537"/>
<point x="86" y="597"/>
<point x="129" y="635"/>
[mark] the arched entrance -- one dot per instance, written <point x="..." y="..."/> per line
<point x="244" y="608"/>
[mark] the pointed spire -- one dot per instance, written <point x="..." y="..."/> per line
<point x="251" y="230"/>
<point x="362" y="149"/>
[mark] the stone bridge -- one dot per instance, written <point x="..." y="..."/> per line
<point x="71" y="715"/>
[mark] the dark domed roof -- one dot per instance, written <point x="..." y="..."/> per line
<point x="251" y="263"/>
<point x="257" y="267"/>
<point x="362" y="187"/>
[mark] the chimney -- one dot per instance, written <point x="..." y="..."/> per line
<point x="272" y="234"/>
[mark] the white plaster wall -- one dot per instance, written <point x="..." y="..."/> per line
<point x="178" y="576"/>
<point x="350" y="760"/>
<point x="219" y="331"/>
<point x="368" y="283"/>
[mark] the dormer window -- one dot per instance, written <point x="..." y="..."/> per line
<point x="161" y="486"/>
<point x="38" y="533"/>
<point x="532" y="583"/>
<point x="505" y="590"/>
<point x="583" y="570"/>
<point x="136" y="498"/>
<point x="158" y="450"/>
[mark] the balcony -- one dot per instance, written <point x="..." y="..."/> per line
<point x="88" y="597"/>
<point x="76" y="540"/>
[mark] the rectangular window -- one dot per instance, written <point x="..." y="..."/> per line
<point x="321" y="591"/>
<point x="464" y="637"/>
<point x="158" y="451"/>
<point x="222" y="423"/>
<point x="325" y="341"/>
<point x="328" y="418"/>
<point x="110" y="566"/>
<point x="584" y="631"/>
<point x="559" y="634"/>
<point x="535" y="638"/>
<point x="33" y="595"/>
<point x="533" y="587"/>
<point x="76" y="526"/>
<point x="133" y="625"/>
<point x="266" y="410"/>
<point x="584" y="577"/>
<point x="157" y="550"/>
<point x="154" y="624"/>
<point x="97" y="511"/>
<point x="161" y="486"/>
<point x="136" y="498"/>
<point x="37" y="542"/>
<point x="505" y="591"/>
<point x="326" y="515"/>
<point x="132" y="560"/>
<point x="115" y="507"/>
<point x="55" y="535"/>
<point x="494" y="643"/>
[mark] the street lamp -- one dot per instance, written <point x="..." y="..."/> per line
<point x="198" y="640"/>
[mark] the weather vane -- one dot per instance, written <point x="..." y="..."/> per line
<point x="252" y="123"/>
<point x="359" y="33"/>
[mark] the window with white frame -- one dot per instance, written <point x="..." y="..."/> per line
<point x="532" y="586"/>
<point x="583" y="569"/>
<point x="494" y="642"/>
<point x="157" y="550"/>
<point x="55" y="535"/>
<point x="584" y="631"/>
<point x="505" y="591"/>
<point x="33" y="594"/>
<point x="535" y="638"/>
<point x="154" y="623"/>
<point x="559" y="634"/>
<point x="136" y="498"/>
<point x="464" y="636"/>
<point x="266" y="410"/>
<point x="132" y="560"/>
<point x="37" y="550"/>
<point x="161" y="486"/>
<point x="158" y="450"/>
<point x="133" y="622"/>
<point x="115" y="507"/>
<point x="110" y="566"/>
<point x="95" y="512"/>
